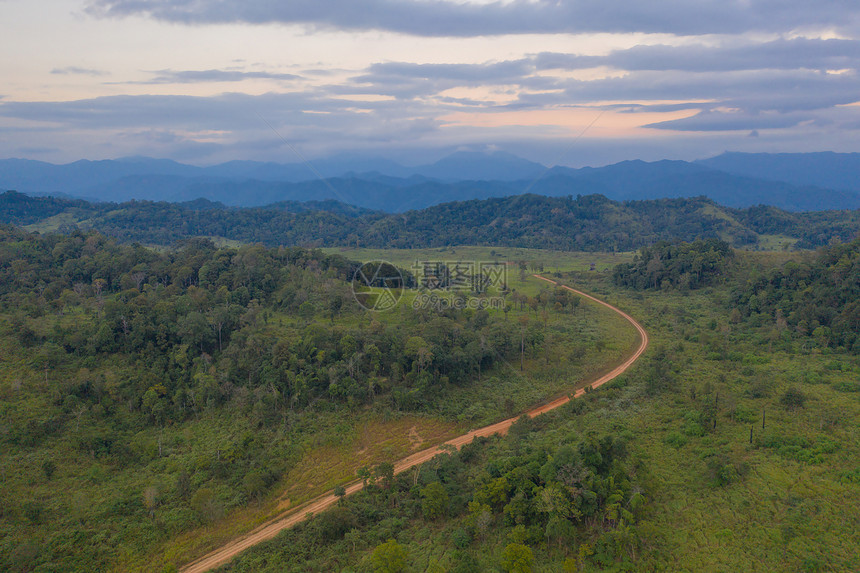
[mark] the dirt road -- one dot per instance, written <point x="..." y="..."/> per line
<point x="298" y="514"/>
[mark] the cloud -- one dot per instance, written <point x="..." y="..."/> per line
<point x="203" y="76"/>
<point x="728" y="121"/>
<point x="750" y="81"/>
<point x="408" y="80"/>
<point x="36" y="150"/>
<point x="464" y="73"/>
<point x="207" y="124"/>
<point x="755" y="90"/>
<point x="449" y="18"/>
<point x="782" y="54"/>
<point x="74" y="70"/>
<point x="781" y="75"/>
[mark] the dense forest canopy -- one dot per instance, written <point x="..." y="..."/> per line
<point x="817" y="298"/>
<point x="676" y="265"/>
<point x="191" y="313"/>
<point x="584" y="223"/>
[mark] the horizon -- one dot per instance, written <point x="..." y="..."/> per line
<point x="408" y="165"/>
<point x="559" y="83"/>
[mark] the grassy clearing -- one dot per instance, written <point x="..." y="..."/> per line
<point x="552" y="261"/>
<point x="327" y="458"/>
<point x="788" y="512"/>
<point x="775" y="243"/>
<point x="53" y="224"/>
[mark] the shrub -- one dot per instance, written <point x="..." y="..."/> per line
<point x="517" y="558"/>
<point x="676" y="440"/>
<point x="390" y="557"/>
<point x="793" y="399"/>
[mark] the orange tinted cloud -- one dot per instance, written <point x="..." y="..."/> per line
<point x="569" y="121"/>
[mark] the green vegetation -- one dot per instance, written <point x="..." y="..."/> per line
<point x="725" y="447"/>
<point x="493" y="500"/>
<point x="583" y="223"/>
<point x="157" y="403"/>
<point x="681" y="266"/>
<point x="177" y="398"/>
<point x="816" y="300"/>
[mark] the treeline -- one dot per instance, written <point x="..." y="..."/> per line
<point x="589" y="223"/>
<point x="817" y="299"/>
<point x="677" y="265"/>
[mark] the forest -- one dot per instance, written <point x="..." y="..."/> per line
<point x="115" y="356"/>
<point x="582" y="223"/>
<point x="675" y="265"/>
<point x="178" y="397"/>
<point x="817" y="298"/>
<point x="731" y="444"/>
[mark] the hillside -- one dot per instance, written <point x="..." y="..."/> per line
<point x="587" y="223"/>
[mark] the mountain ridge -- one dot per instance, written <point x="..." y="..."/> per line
<point x="391" y="187"/>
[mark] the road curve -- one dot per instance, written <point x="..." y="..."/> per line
<point x="298" y="514"/>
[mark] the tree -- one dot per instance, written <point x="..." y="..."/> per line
<point x="517" y="558"/>
<point x="195" y="330"/>
<point x="390" y="557"/>
<point x="384" y="474"/>
<point x="524" y="321"/>
<point x="480" y="517"/>
<point x="255" y="485"/>
<point x="434" y="501"/>
<point x="206" y="505"/>
<point x="364" y="475"/>
<point x="339" y="492"/>
<point x="418" y="348"/>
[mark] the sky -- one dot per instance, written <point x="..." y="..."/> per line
<point x="562" y="82"/>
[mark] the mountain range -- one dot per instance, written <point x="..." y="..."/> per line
<point x="794" y="182"/>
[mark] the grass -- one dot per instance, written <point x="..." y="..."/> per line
<point x="328" y="458"/>
<point x="552" y="261"/>
<point x="775" y="243"/>
<point x="53" y="224"/>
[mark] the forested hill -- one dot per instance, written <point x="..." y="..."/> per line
<point x="817" y="298"/>
<point x="590" y="223"/>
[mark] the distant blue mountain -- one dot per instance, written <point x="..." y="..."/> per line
<point x="381" y="184"/>
<point x="477" y="166"/>
<point x="637" y="180"/>
<point x="821" y="169"/>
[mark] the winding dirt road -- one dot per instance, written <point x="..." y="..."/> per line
<point x="298" y="514"/>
